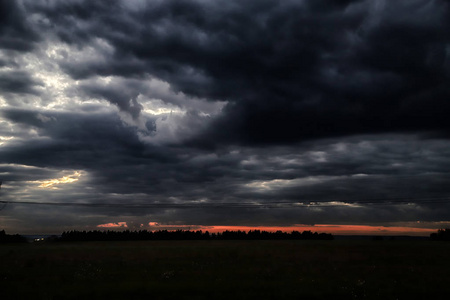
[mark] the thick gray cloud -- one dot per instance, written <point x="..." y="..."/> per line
<point x="16" y="33"/>
<point x="191" y="104"/>
<point x="319" y="69"/>
<point x="17" y="82"/>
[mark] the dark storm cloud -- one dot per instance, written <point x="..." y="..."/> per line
<point x="73" y="139"/>
<point x="16" y="173"/>
<point x="16" y="36"/>
<point x="123" y="170"/>
<point x="18" y="82"/>
<point x="357" y="169"/>
<point x="290" y="70"/>
<point x="125" y="99"/>
<point x="15" y="31"/>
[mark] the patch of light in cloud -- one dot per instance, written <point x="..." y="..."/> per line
<point x="3" y="139"/>
<point x="335" y="203"/>
<point x="58" y="89"/>
<point x="19" y="166"/>
<point x="45" y="119"/>
<point x="318" y="156"/>
<point x="50" y="183"/>
<point x="158" y="107"/>
<point x="275" y="184"/>
<point x="54" y="82"/>
<point x="158" y="97"/>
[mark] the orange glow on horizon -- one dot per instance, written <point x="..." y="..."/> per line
<point x="320" y="228"/>
<point x="329" y="228"/>
<point x="113" y="225"/>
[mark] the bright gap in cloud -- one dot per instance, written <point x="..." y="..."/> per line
<point x="265" y="185"/>
<point x="63" y="180"/>
<point x="5" y="138"/>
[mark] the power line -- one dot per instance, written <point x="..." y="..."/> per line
<point x="267" y="204"/>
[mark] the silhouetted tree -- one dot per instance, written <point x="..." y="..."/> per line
<point x="441" y="235"/>
<point x="141" y="235"/>
<point x="11" y="238"/>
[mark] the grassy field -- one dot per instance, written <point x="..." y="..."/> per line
<point x="226" y="269"/>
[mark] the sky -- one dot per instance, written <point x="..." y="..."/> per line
<point x="331" y="116"/>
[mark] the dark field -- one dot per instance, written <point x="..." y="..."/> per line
<point x="226" y="270"/>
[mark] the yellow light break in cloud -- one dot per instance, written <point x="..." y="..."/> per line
<point x="65" y="179"/>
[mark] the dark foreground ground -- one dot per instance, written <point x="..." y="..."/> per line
<point x="226" y="270"/>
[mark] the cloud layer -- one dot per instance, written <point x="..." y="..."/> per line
<point x="190" y="104"/>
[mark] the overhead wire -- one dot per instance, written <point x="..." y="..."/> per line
<point x="261" y="204"/>
<point x="352" y="203"/>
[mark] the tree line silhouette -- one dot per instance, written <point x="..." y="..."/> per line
<point x="441" y="235"/>
<point x="11" y="238"/>
<point x="143" y="235"/>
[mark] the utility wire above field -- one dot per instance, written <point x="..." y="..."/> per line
<point x="270" y="204"/>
